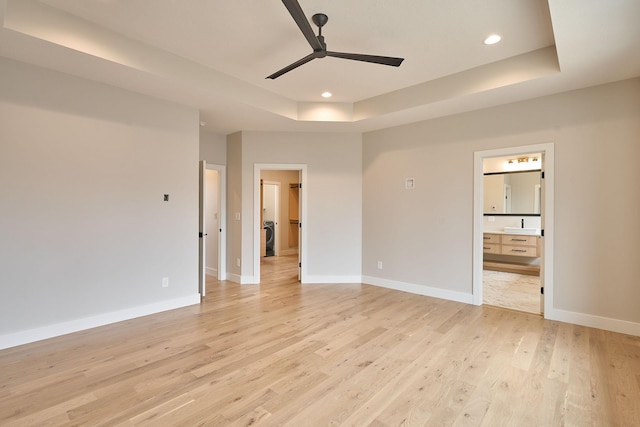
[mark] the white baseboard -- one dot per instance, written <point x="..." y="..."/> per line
<point x="249" y="280"/>
<point x="211" y="271"/>
<point x="599" y="322"/>
<point x="63" y="328"/>
<point x="332" y="279"/>
<point x="253" y="280"/>
<point x="235" y="278"/>
<point x="419" y="289"/>
<point x="243" y="280"/>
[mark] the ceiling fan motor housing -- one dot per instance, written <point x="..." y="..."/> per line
<point x="320" y="19"/>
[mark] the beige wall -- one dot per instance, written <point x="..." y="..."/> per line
<point x="334" y="194"/>
<point x="213" y="148"/>
<point x="234" y="206"/>
<point x="86" y="237"/>
<point x="424" y="236"/>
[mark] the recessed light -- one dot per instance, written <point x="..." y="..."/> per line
<point x="326" y="94"/>
<point x="492" y="39"/>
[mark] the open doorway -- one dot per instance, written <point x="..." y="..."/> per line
<point x="521" y="238"/>
<point x="271" y="239"/>
<point x="512" y="232"/>
<point x="279" y="233"/>
<point x="212" y="221"/>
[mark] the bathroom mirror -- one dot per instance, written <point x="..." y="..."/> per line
<point x="512" y="193"/>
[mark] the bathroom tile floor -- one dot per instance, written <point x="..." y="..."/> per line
<point x="511" y="290"/>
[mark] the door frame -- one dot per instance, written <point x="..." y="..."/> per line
<point x="547" y="218"/>
<point x="202" y="235"/>
<point x="302" y="248"/>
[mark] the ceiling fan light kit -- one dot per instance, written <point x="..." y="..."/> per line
<point x="319" y="46"/>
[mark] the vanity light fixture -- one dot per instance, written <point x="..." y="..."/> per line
<point x="523" y="160"/>
<point x="492" y="39"/>
<point x="326" y="94"/>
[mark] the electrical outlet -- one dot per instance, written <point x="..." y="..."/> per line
<point x="379" y="265"/>
<point x="165" y="282"/>
<point x="237" y="216"/>
<point x="237" y="262"/>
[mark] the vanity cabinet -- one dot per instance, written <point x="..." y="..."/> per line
<point x="491" y="244"/>
<point x="518" y="245"/>
<point x="510" y="244"/>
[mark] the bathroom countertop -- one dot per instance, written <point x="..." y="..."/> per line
<point x="500" y="231"/>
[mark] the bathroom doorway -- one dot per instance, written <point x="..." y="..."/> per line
<point x="511" y="233"/>
<point x="528" y="232"/>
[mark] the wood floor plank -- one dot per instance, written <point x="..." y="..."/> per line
<point x="283" y="353"/>
<point x="515" y="290"/>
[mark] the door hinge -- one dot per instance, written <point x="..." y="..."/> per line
<point x="542" y="233"/>
<point x="299" y="225"/>
<point x="299" y="185"/>
<point x="300" y="265"/>
<point x="542" y="290"/>
<point x="542" y="175"/>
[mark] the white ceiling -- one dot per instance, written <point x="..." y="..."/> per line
<point x="215" y="55"/>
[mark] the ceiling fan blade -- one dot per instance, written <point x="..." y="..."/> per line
<point x="385" y="60"/>
<point x="303" y="23"/>
<point x="292" y="66"/>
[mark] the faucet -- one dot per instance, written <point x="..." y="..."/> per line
<point x="522" y="223"/>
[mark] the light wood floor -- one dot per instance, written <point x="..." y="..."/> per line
<point x="279" y="270"/>
<point x="314" y="355"/>
<point x="511" y="290"/>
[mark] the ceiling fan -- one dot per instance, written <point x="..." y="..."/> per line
<point x="319" y="46"/>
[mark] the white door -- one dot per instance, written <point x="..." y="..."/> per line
<point x="300" y="225"/>
<point x="542" y="207"/>
<point x="202" y="231"/>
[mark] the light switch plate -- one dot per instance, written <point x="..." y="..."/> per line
<point x="410" y="183"/>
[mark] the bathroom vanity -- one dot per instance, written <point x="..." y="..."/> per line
<point x="516" y="252"/>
